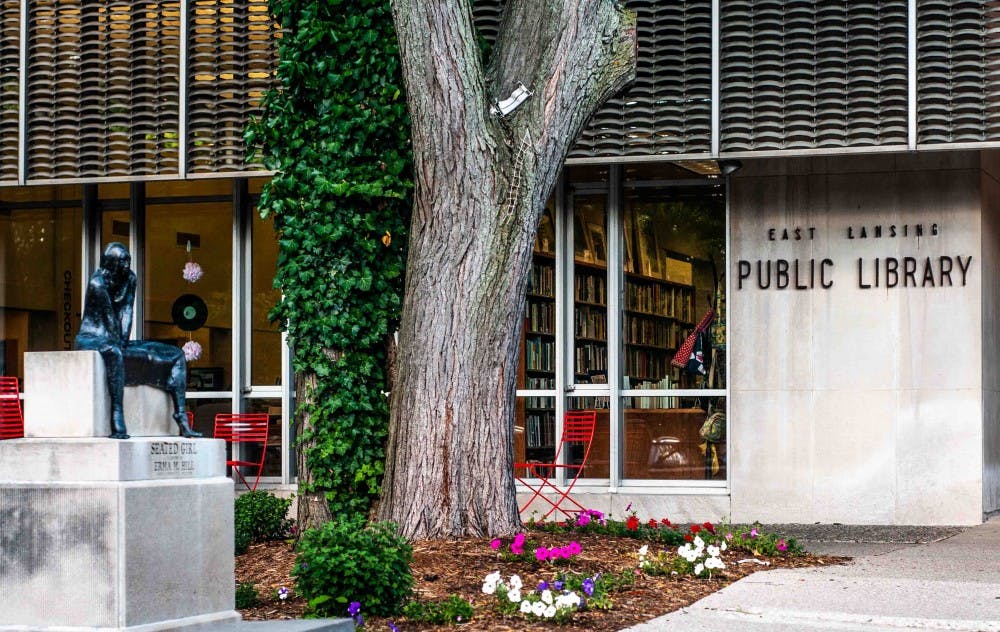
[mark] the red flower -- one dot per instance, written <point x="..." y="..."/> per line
<point x="632" y="523"/>
<point x="695" y="528"/>
<point x="709" y="526"/>
<point x="652" y="523"/>
<point x="689" y="537"/>
<point x="666" y="523"/>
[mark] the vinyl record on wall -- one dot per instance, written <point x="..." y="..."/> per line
<point x="189" y="312"/>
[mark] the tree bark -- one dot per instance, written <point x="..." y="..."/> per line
<point x="480" y="186"/>
<point x="312" y="509"/>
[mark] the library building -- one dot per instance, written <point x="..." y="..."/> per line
<point x="771" y="265"/>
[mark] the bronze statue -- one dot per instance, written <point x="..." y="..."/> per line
<point x="105" y="328"/>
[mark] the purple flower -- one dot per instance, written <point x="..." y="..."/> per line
<point x="588" y="587"/>
<point x="354" y="608"/>
<point x="544" y="586"/>
<point x="583" y="520"/>
<point x="392" y="627"/>
<point x="282" y="593"/>
<point x="557" y="585"/>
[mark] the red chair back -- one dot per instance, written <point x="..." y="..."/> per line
<point x="241" y="427"/>
<point x="11" y="415"/>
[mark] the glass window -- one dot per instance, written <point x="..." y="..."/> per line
<point x="535" y="430"/>
<point x="674" y="438"/>
<point x="41" y="232"/>
<point x="598" y="462"/>
<point x="272" y="461"/>
<point x="673" y="263"/>
<point x="265" y="343"/>
<point x="590" y="289"/>
<point x="178" y="310"/>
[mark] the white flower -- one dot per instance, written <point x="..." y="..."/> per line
<point x="489" y="588"/>
<point x="698" y="542"/>
<point x="525" y="607"/>
<point x="547" y="596"/>
<point x="514" y="595"/>
<point x="724" y="545"/>
<point x="515" y="582"/>
<point x="569" y="600"/>
<point x="537" y="608"/>
<point x="713" y="550"/>
<point x="192" y="272"/>
<point x="681" y="550"/>
<point x="698" y="569"/>
<point x="550" y="612"/>
<point x="644" y="550"/>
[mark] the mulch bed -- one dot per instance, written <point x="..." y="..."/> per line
<point x="442" y="568"/>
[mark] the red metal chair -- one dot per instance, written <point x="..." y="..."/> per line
<point x="246" y="429"/>
<point x="578" y="430"/>
<point x="11" y="416"/>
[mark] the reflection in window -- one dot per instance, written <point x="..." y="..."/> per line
<point x="272" y="462"/>
<point x="674" y="262"/>
<point x="590" y="290"/>
<point x="40" y="255"/>
<point x="265" y="343"/>
<point x="674" y="438"/>
<point x="598" y="463"/>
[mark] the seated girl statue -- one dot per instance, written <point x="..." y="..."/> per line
<point x="106" y="327"/>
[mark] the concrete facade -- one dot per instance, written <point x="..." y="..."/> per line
<point x="859" y="398"/>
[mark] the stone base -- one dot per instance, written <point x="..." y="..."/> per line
<point x="66" y="395"/>
<point x="112" y="535"/>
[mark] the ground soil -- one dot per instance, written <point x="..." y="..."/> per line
<point x="442" y="568"/>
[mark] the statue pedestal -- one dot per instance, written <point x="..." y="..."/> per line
<point x="115" y="535"/>
<point x="66" y="395"/>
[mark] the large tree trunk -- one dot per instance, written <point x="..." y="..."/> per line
<point x="481" y="184"/>
<point x="312" y="509"/>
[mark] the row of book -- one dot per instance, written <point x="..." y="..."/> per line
<point x="590" y="288"/>
<point x="639" y="330"/>
<point x="541" y="317"/>
<point x="591" y="357"/>
<point x="590" y="323"/>
<point x="540" y="355"/>
<point x="661" y="300"/>
<point x="643" y="364"/>
<point x="540" y="430"/>
<point x="543" y="280"/>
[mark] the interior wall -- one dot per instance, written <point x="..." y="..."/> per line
<point x="990" y="186"/>
<point x="857" y="404"/>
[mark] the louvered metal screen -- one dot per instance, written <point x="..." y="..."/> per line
<point x="957" y="71"/>
<point x="802" y="74"/>
<point x="10" y="40"/>
<point x="231" y="61"/>
<point x="102" y="88"/>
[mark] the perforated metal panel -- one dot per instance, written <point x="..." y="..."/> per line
<point x="10" y="41"/>
<point x="802" y="74"/>
<point x="231" y="62"/>
<point x="102" y="88"/>
<point x="957" y="71"/>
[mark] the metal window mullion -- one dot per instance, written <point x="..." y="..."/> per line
<point x="239" y="298"/>
<point x="287" y="384"/>
<point x="137" y="245"/>
<point x="715" y="142"/>
<point x="911" y="74"/>
<point x="22" y="98"/>
<point x="182" y="140"/>
<point x="725" y="340"/>
<point x="615" y="283"/>
<point x="564" y="270"/>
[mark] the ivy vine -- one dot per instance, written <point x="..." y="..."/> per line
<point x="335" y="131"/>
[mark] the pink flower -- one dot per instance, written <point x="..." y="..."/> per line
<point x="541" y="554"/>
<point x="517" y="546"/>
<point x="192" y="350"/>
<point x="495" y="544"/>
<point x="192" y="272"/>
<point x="583" y="520"/>
<point x="782" y="546"/>
<point x="574" y="548"/>
<point x="753" y="532"/>
<point x="729" y="536"/>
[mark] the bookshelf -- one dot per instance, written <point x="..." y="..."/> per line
<point x="537" y="415"/>
<point x="658" y="314"/>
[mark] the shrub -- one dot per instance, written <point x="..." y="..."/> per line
<point x="246" y="595"/>
<point x="262" y="516"/>
<point x="454" y="609"/>
<point x="345" y="561"/>
<point x="242" y="539"/>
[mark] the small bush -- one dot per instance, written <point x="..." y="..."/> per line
<point x="262" y="516"/>
<point x="454" y="609"/>
<point x="246" y="595"/>
<point x="346" y="561"/>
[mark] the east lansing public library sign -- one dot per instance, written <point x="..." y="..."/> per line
<point x="876" y="272"/>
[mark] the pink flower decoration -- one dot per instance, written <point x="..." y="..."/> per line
<point x="495" y="544"/>
<point x="192" y="272"/>
<point x="192" y="350"/>
<point x="541" y="554"/>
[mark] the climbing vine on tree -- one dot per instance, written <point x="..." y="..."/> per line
<point x="335" y="131"/>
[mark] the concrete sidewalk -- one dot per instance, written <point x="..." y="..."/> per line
<point x="901" y="579"/>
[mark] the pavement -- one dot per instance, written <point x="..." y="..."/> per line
<point x="901" y="578"/>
